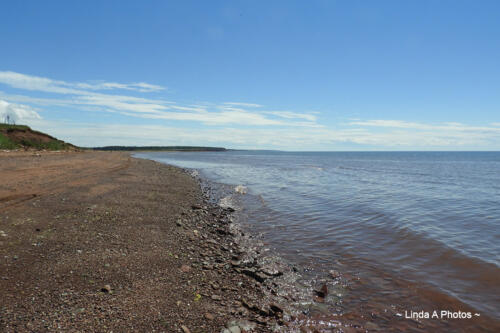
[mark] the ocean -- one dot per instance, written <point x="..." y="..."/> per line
<point x="429" y="220"/>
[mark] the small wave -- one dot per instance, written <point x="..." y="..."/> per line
<point x="195" y="173"/>
<point x="240" y="189"/>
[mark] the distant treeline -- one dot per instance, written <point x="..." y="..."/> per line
<point x="159" y="148"/>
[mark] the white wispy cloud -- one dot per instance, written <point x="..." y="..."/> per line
<point x="249" y="105"/>
<point x="230" y="124"/>
<point x="293" y="115"/>
<point x="36" y="83"/>
<point x="447" y="126"/>
<point x="140" y="86"/>
<point x="266" y="138"/>
<point x="87" y="96"/>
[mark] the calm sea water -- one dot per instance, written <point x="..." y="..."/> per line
<point x="428" y="217"/>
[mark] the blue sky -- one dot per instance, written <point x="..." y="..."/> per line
<point x="291" y="75"/>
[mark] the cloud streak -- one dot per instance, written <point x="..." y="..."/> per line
<point x="447" y="126"/>
<point x="350" y="138"/>
<point x="36" y="83"/>
<point x="231" y="124"/>
<point x="90" y="96"/>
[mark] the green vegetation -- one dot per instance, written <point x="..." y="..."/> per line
<point x="23" y="137"/>
<point x="5" y="143"/>
<point x="13" y="127"/>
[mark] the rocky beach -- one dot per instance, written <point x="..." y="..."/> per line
<point x="101" y="241"/>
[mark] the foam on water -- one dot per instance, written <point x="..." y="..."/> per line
<point x="240" y="189"/>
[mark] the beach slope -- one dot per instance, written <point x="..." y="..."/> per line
<point x="100" y="241"/>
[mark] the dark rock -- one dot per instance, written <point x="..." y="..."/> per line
<point x="271" y="271"/>
<point x="222" y="231"/>
<point x="106" y="289"/>
<point x="275" y="308"/>
<point x="256" y="275"/>
<point x="322" y="292"/>
<point x="254" y="308"/>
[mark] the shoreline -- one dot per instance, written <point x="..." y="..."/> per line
<point x="102" y="241"/>
<point x="329" y="312"/>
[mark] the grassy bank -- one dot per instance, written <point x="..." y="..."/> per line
<point x="23" y="137"/>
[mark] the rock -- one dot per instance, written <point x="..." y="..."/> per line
<point x="209" y="316"/>
<point x="254" y="308"/>
<point x="185" y="329"/>
<point x="334" y="274"/>
<point x="234" y="329"/>
<point x="106" y="289"/>
<point x="275" y="308"/>
<point x="185" y="268"/>
<point x="271" y="270"/>
<point x="222" y="231"/>
<point x="322" y="292"/>
<point x="242" y="324"/>
<point x="256" y="275"/>
<point x="195" y="207"/>
<point x="216" y="297"/>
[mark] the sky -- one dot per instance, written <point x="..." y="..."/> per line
<point x="287" y="75"/>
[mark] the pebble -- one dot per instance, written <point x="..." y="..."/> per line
<point x="322" y="292"/>
<point x="234" y="329"/>
<point x="185" y="268"/>
<point x="185" y="329"/>
<point x="276" y="308"/>
<point x="334" y="274"/>
<point x="106" y="289"/>
<point x="209" y="316"/>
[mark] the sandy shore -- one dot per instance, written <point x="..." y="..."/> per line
<point x="105" y="242"/>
